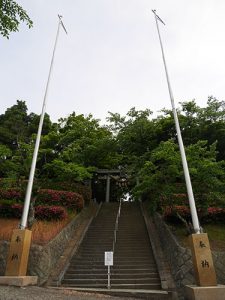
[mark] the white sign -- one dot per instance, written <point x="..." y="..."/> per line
<point x="109" y="258"/>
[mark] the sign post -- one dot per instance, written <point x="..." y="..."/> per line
<point x="109" y="262"/>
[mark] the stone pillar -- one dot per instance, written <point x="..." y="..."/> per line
<point x="16" y="268"/>
<point x="205" y="274"/>
<point x="107" y="188"/>
<point x="18" y="253"/>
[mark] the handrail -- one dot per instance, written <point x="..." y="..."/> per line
<point x="116" y="225"/>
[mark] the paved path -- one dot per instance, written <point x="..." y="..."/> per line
<point x="38" y="293"/>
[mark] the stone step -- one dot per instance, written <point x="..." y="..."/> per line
<point x="146" y="280"/>
<point x="114" y="270"/>
<point x="114" y="275"/>
<point x="97" y="233"/>
<point x="98" y="245"/>
<point x="125" y="241"/>
<point x="117" y="258"/>
<point x="97" y="241"/>
<point x="127" y="253"/>
<point x="121" y="265"/>
<point x="94" y="243"/>
<point x="83" y="265"/>
<point x="117" y="286"/>
<point x="136" y="248"/>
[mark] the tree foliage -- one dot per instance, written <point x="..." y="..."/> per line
<point x="11" y="14"/>
<point x="143" y="147"/>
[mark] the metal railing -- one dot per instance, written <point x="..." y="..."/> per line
<point x="116" y="226"/>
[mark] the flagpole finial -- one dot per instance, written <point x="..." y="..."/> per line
<point x="61" y="22"/>
<point x="157" y="17"/>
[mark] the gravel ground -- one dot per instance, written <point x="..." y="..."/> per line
<point x="38" y="293"/>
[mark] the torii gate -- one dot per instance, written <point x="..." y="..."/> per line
<point x="107" y="174"/>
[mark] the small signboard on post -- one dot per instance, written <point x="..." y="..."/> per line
<point x="109" y="262"/>
<point x="109" y="258"/>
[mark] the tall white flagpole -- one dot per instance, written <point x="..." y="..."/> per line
<point x="23" y="223"/>
<point x="191" y="199"/>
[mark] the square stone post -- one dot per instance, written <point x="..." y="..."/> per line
<point x="205" y="275"/>
<point x="16" y="267"/>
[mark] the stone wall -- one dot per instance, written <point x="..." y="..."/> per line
<point x="180" y="259"/>
<point x="3" y="254"/>
<point x="219" y="263"/>
<point x="43" y="259"/>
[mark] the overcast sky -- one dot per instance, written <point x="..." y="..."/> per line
<point x="110" y="60"/>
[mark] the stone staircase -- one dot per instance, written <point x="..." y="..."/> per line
<point x="87" y="268"/>
<point x="133" y="258"/>
<point x="134" y="264"/>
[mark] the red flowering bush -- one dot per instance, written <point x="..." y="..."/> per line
<point x="173" y="199"/>
<point x="82" y="189"/>
<point x="210" y="215"/>
<point x="17" y="210"/>
<point x="170" y="213"/>
<point x="66" y="199"/>
<point x="11" y="194"/>
<point x="11" y="210"/>
<point x="49" y="213"/>
<point x="42" y="212"/>
<point x="214" y="215"/>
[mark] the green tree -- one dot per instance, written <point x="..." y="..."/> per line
<point x="14" y="125"/>
<point x="5" y="155"/>
<point x="64" y="172"/>
<point x="18" y="133"/>
<point x="136" y="137"/>
<point x="11" y="15"/>
<point x="80" y="146"/>
<point x="161" y="174"/>
<point x="208" y="174"/>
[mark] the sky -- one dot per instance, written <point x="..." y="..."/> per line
<point x="111" y="60"/>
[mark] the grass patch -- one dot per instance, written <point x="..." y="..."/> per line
<point x="216" y="234"/>
<point x="42" y="231"/>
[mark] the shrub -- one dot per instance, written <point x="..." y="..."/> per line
<point x="7" y="201"/>
<point x="69" y="200"/>
<point x="214" y="215"/>
<point x="11" y="210"/>
<point x="170" y="213"/>
<point x="49" y="213"/>
<point x="82" y="189"/>
<point x="11" y="194"/>
<point x="42" y="212"/>
<point x="210" y="215"/>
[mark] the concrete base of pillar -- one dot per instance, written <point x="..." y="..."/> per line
<point x="18" y="280"/>
<point x="193" y="292"/>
